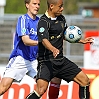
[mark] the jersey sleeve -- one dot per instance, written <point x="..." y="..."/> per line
<point x="65" y="24"/>
<point x="42" y="30"/>
<point x="22" y="26"/>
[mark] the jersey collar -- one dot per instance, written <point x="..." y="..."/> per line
<point x="46" y="13"/>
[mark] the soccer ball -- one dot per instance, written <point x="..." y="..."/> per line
<point x="73" y="34"/>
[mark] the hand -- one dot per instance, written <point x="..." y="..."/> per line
<point x="87" y="40"/>
<point x="55" y="52"/>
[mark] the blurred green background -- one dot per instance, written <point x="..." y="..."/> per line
<point x="18" y="7"/>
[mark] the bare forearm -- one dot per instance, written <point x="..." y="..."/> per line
<point x="86" y="40"/>
<point x="48" y="45"/>
<point x="29" y="42"/>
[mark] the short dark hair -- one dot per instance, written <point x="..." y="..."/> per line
<point x="51" y="2"/>
<point x="27" y="1"/>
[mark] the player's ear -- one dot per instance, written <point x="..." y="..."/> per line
<point x="51" y="6"/>
<point x="27" y="5"/>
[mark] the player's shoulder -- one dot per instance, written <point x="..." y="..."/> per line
<point x="22" y="17"/>
<point x="44" y="18"/>
<point x="44" y="21"/>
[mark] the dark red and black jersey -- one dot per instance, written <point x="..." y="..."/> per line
<point x="53" y="30"/>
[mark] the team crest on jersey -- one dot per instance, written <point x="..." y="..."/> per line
<point x="23" y="30"/>
<point x="41" y="29"/>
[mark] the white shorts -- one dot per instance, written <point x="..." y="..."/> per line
<point x="18" y="67"/>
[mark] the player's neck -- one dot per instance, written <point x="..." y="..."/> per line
<point x="32" y="16"/>
<point x="50" y="15"/>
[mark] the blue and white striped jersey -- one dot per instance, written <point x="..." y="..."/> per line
<point x="25" y="26"/>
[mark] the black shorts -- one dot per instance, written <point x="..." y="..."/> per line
<point x="60" y="68"/>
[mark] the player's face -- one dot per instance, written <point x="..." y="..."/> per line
<point x="57" y="8"/>
<point x="33" y="7"/>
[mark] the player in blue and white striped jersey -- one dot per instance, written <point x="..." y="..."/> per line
<point x="23" y="59"/>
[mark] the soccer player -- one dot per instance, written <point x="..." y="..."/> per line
<point x="51" y="62"/>
<point x="23" y="59"/>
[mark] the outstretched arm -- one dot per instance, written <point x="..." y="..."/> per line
<point x="86" y="40"/>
